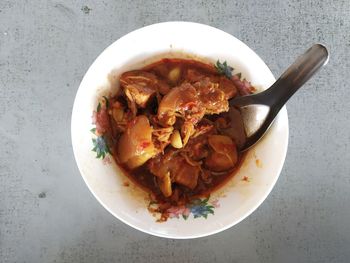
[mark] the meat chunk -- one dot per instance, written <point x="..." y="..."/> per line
<point x="140" y="86"/>
<point x="223" y="155"/>
<point x="170" y="126"/>
<point x="211" y="96"/>
<point x="120" y="116"/>
<point x="197" y="147"/>
<point x="191" y="102"/>
<point x="187" y="175"/>
<point x="193" y="76"/>
<point x="228" y="87"/>
<point x="161" y="137"/>
<point x="182" y="100"/>
<point x="181" y="170"/>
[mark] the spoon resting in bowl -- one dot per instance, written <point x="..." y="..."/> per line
<point x="259" y="110"/>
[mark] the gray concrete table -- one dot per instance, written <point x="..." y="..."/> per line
<point x="47" y="214"/>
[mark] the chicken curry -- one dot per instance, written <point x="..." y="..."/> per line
<point x="170" y="127"/>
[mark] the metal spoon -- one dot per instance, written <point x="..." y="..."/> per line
<point x="258" y="111"/>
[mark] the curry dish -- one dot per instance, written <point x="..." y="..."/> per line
<point x="171" y="130"/>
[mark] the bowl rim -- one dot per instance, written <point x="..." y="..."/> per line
<point x="158" y="234"/>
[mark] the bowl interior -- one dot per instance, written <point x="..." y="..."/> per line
<point x="233" y="202"/>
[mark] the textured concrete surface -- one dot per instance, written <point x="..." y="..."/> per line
<point x="47" y="214"/>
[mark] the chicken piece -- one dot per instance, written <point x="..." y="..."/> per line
<point x="182" y="100"/>
<point x="191" y="103"/>
<point x="223" y="155"/>
<point x="228" y="87"/>
<point x="161" y="137"/>
<point x="193" y="75"/>
<point x="211" y="96"/>
<point x="120" y="117"/>
<point x="182" y="170"/>
<point x="163" y="163"/>
<point x="203" y="128"/>
<point x="140" y="86"/>
<point x="187" y="175"/>
<point x="135" y="145"/>
<point x="162" y="134"/>
<point x="197" y="148"/>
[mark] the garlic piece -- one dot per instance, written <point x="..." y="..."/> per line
<point x="175" y="140"/>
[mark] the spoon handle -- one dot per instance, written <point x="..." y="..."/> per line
<point x="294" y="77"/>
<point x="279" y="93"/>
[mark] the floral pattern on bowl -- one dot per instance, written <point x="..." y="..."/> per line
<point x="107" y="184"/>
<point x="197" y="207"/>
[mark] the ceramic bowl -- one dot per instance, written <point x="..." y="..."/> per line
<point x="228" y="205"/>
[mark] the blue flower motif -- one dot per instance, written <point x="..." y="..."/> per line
<point x="100" y="147"/>
<point x="201" y="211"/>
<point x="200" y="208"/>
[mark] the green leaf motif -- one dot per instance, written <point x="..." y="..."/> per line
<point x="224" y="69"/>
<point x="107" y="101"/>
<point x="98" y="107"/>
<point x="100" y="147"/>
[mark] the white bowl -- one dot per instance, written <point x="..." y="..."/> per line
<point x="234" y="201"/>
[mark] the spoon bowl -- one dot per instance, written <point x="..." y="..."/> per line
<point x="259" y="110"/>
